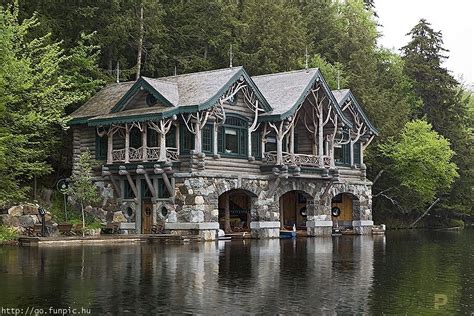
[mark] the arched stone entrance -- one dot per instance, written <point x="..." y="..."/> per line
<point x="349" y="207"/>
<point x="235" y="208"/>
<point x="294" y="209"/>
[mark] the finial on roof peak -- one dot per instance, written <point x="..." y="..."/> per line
<point x="306" y="56"/>
<point x="231" y="56"/>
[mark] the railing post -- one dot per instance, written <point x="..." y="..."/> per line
<point x="110" y="147"/>
<point x="144" y="142"/>
<point x="127" y="144"/>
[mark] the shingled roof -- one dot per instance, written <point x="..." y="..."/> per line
<point x="280" y="94"/>
<point x="344" y="95"/>
<point x="188" y="93"/>
<point x="102" y="102"/>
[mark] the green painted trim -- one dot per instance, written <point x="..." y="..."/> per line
<point x="361" y="111"/>
<point x="133" y="118"/>
<point x="79" y="120"/>
<point x="141" y="82"/>
<point x="241" y="73"/>
<point x="317" y="76"/>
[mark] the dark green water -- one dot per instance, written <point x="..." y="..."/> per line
<point x="405" y="272"/>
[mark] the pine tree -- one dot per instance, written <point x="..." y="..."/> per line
<point x="443" y="105"/>
<point x="82" y="189"/>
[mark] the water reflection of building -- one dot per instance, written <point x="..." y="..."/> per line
<point x="313" y="275"/>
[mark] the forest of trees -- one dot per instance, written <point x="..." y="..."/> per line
<point x="54" y="55"/>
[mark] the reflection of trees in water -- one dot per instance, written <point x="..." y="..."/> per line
<point x="419" y="265"/>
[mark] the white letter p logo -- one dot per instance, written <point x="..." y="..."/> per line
<point x="440" y="300"/>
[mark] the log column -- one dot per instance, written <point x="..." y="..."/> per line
<point x="162" y="146"/>
<point x="110" y="147"/>
<point x="177" y="138"/>
<point x="214" y="144"/>
<point x="292" y="139"/>
<point x="197" y="137"/>
<point x="144" y="142"/>
<point x="127" y="144"/>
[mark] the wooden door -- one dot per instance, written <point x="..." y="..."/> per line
<point x="147" y="217"/>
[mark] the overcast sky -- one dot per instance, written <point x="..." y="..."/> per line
<point x="455" y="19"/>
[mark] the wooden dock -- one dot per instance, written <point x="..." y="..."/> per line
<point x="104" y="240"/>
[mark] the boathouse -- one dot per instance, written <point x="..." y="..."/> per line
<point x="220" y="149"/>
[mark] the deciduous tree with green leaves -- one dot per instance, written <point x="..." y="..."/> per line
<point x="38" y="80"/>
<point x="422" y="162"/>
<point x="82" y="188"/>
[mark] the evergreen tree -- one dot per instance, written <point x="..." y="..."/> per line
<point x="272" y="37"/>
<point x="444" y="105"/>
<point x="35" y="88"/>
<point x="82" y="189"/>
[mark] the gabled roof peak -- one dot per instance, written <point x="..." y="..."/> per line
<point x="310" y="71"/>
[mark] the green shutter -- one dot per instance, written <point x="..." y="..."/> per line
<point x="100" y="147"/>
<point x="207" y="138"/>
<point x="135" y="138"/>
<point x="357" y="153"/>
<point x="152" y="138"/>
<point x="256" y="145"/>
<point x="187" y="140"/>
<point x="171" y="137"/>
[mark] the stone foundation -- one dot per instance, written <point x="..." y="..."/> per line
<point x="319" y="228"/>
<point x="262" y="230"/>
<point x="363" y="227"/>
<point x="206" y="231"/>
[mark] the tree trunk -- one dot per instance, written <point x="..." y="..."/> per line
<point x="83" y="221"/>
<point x="140" y="44"/>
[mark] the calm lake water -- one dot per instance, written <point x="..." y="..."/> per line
<point x="409" y="272"/>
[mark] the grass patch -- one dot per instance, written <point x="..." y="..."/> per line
<point x="7" y="233"/>
<point x="74" y="216"/>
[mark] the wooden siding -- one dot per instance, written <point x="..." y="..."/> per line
<point x="232" y="165"/>
<point x="239" y="107"/>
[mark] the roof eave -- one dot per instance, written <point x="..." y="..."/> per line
<point x="361" y="111"/>
<point x="215" y="98"/>
<point x="143" y="117"/>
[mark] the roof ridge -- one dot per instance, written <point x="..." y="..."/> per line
<point x="199" y="72"/>
<point x="285" y="72"/>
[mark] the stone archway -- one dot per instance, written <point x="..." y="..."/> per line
<point x="294" y="209"/>
<point x="349" y="207"/>
<point x="235" y="210"/>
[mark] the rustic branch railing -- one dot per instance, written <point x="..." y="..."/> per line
<point x="296" y="159"/>
<point x="153" y="153"/>
<point x="118" y="155"/>
<point x="172" y="153"/>
<point x="136" y="154"/>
